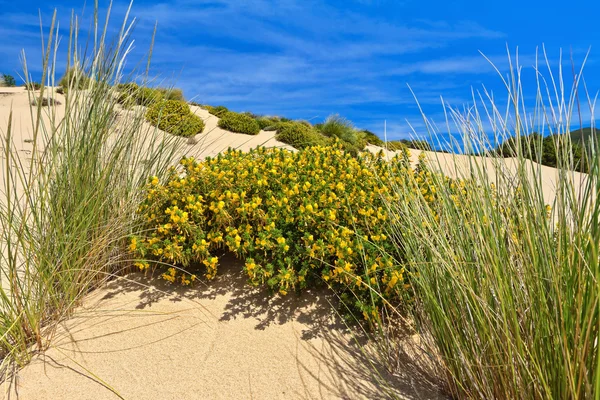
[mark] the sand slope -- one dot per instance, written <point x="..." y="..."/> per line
<point x="494" y="169"/>
<point x="221" y="341"/>
<point x="139" y="338"/>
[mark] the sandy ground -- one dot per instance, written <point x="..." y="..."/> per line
<point x="220" y="341"/>
<point x="139" y="338"/>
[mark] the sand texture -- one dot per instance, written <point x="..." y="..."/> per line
<point x="142" y="339"/>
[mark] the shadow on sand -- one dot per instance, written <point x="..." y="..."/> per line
<point x="349" y="356"/>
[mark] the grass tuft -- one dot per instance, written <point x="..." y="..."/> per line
<point x="67" y="210"/>
<point x="505" y="269"/>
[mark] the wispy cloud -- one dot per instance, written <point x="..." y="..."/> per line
<point x="302" y="58"/>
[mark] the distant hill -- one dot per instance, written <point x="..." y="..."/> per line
<point x="584" y="135"/>
<point x="544" y="149"/>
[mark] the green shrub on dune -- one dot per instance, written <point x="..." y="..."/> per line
<point x="395" y="145"/>
<point x="131" y="94"/>
<point x="175" y="118"/>
<point x="239" y="123"/>
<point x="217" y="111"/>
<point x="74" y="78"/>
<point x="266" y="122"/>
<point x="336" y="126"/>
<point x="32" y="86"/>
<point x="148" y="96"/>
<point x="372" y="138"/>
<point x="305" y="123"/>
<point x="7" y="80"/>
<point x="128" y="94"/>
<point x="341" y="128"/>
<point x="171" y="93"/>
<point x="251" y="114"/>
<point x="298" y="135"/>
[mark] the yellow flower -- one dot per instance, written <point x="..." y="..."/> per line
<point x="141" y="265"/>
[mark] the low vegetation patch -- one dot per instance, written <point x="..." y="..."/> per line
<point x="7" y="80"/>
<point x="130" y="94"/>
<point x="545" y="150"/>
<point x="171" y="93"/>
<point x="395" y="145"/>
<point x="341" y="128"/>
<point x="239" y="123"/>
<point x="45" y="101"/>
<point x="372" y="138"/>
<point x="299" y="135"/>
<point x="174" y="117"/>
<point x="266" y="123"/>
<point x="32" y="86"/>
<point x="217" y="111"/>
<point x="74" y="78"/>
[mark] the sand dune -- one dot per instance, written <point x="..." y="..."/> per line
<point x="221" y="341"/>
<point x="494" y="169"/>
<point x="140" y="338"/>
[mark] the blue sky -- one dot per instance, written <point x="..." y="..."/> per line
<point x="311" y="58"/>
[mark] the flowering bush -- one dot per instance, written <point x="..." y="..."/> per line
<point x="296" y="219"/>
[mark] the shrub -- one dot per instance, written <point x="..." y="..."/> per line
<point x="305" y="123"/>
<point x="239" y="123"/>
<point x="265" y="122"/>
<point x="416" y="144"/>
<point x="336" y="126"/>
<point x="339" y="127"/>
<point x="46" y="101"/>
<point x="298" y="135"/>
<point x="7" y="80"/>
<point x="251" y="115"/>
<point x="372" y="138"/>
<point x="174" y="117"/>
<point x="74" y="78"/>
<point x="61" y="90"/>
<point x="297" y="220"/>
<point x="127" y="86"/>
<point x="544" y="150"/>
<point x="171" y="94"/>
<point x="127" y="94"/>
<point x="146" y="96"/>
<point x="217" y="111"/>
<point x="32" y="86"/>
<point x="395" y="145"/>
<point x="349" y="148"/>
<point x="131" y="94"/>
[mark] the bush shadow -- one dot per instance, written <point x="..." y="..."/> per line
<point x="355" y="370"/>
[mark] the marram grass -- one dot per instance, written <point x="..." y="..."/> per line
<point x="66" y="212"/>
<point x="506" y="280"/>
